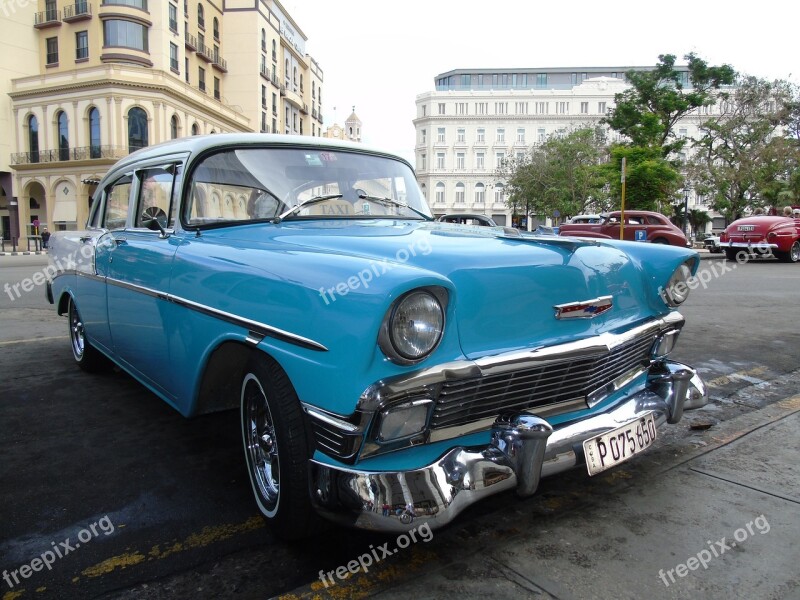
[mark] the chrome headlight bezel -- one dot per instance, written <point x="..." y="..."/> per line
<point x="391" y="340"/>
<point x="676" y="291"/>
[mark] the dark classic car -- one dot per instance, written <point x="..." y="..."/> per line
<point x="376" y="357"/>
<point x="468" y="219"/>
<point x="764" y="236"/>
<point x="639" y="225"/>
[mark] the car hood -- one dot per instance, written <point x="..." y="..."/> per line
<point x="758" y="224"/>
<point x="503" y="287"/>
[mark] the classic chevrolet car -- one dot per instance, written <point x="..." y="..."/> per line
<point x="639" y="225"/>
<point x="762" y="235"/>
<point x="377" y="357"/>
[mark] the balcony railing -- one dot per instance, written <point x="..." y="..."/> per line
<point x="47" y="18"/>
<point x="190" y="41"/>
<point x="219" y="62"/>
<point x="77" y="11"/>
<point x="66" y="154"/>
<point x="203" y="51"/>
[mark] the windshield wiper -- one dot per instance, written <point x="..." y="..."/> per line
<point x="297" y="207"/>
<point x="393" y="202"/>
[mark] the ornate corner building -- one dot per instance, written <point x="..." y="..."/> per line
<point x="85" y="82"/>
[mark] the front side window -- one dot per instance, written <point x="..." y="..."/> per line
<point x="155" y="192"/>
<point x="300" y="183"/>
<point x="125" y="34"/>
<point x="117" y="199"/>
<point x="137" y="129"/>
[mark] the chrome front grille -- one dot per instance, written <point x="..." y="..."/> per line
<point x="553" y="383"/>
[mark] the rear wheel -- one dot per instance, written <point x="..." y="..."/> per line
<point x="730" y="253"/>
<point x="85" y="355"/>
<point x="276" y="449"/>
<point x="793" y="255"/>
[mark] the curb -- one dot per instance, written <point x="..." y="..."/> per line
<point x="24" y="253"/>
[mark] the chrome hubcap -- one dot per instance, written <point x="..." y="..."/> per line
<point x="262" y="449"/>
<point x="76" y="332"/>
<point x="795" y="252"/>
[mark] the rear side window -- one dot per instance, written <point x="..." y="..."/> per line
<point x="118" y="194"/>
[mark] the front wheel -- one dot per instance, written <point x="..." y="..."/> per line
<point x="276" y="449"/>
<point x="793" y="255"/>
<point x="730" y="253"/>
<point x="86" y="356"/>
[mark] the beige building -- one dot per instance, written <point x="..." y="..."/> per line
<point x="351" y="130"/>
<point x="85" y="82"/>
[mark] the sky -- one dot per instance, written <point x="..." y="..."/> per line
<point x="379" y="56"/>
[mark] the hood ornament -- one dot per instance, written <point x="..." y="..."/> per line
<point x="588" y="309"/>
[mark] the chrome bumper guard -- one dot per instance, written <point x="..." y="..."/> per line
<point x="523" y="449"/>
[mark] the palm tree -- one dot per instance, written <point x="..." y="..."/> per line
<point x="698" y="219"/>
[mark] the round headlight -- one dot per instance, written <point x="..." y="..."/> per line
<point x="415" y="326"/>
<point x="677" y="289"/>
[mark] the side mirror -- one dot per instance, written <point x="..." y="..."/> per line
<point x="155" y="219"/>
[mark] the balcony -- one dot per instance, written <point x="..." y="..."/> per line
<point x="79" y="11"/>
<point x="47" y="18"/>
<point x="204" y="52"/>
<point x="219" y="63"/>
<point x="68" y="154"/>
<point x="304" y="109"/>
<point x="283" y="90"/>
<point x="190" y="41"/>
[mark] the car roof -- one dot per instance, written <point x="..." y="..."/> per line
<point x="198" y="143"/>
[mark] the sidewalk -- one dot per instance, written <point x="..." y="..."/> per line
<point x="715" y="521"/>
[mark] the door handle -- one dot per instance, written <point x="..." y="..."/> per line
<point x="85" y="238"/>
<point x="120" y="240"/>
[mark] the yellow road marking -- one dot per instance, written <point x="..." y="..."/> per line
<point x="13" y="595"/>
<point x="725" y="379"/>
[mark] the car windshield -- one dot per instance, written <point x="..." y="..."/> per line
<point x="256" y="184"/>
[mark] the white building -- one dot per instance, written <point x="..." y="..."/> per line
<point x="476" y="118"/>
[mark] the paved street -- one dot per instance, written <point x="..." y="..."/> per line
<point x="157" y="506"/>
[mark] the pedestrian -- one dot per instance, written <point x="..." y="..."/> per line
<point x="45" y="238"/>
<point x="787" y="211"/>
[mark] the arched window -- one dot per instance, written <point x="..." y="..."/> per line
<point x="286" y="69"/>
<point x="173" y="127"/>
<point x="33" y="138"/>
<point x="94" y="133"/>
<point x="480" y="193"/>
<point x="313" y="89"/>
<point x="201" y="20"/>
<point x="137" y="129"/>
<point x="195" y="129"/>
<point x="460" y="192"/>
<point x="216" y="28"/>
<point x="499" y="190"/>
<point x="274" y="51"/>
<point x="439" y="198"/>
<point x="63" y="136"/>
<point x="294" y="76"/>
<point x="301" y="82"/>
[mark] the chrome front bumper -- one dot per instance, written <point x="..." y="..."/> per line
<point x="523" y="449"/>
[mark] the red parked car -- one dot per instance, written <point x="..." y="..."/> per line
<point x="640" y="225"/>
<point x="763" y="235"/>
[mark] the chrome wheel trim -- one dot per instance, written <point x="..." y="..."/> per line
<point x="76" y="332"/>
<point x="794" y="252"/>
<point x="260" y="444"/>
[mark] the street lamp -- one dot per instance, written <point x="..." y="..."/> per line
<point x="686" y="211"/>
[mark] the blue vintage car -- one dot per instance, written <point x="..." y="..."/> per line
<point x="387" y="367"/>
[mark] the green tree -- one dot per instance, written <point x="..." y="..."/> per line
<point x="650" y="180"/>
<point x="563" y="174"/>
<point x="647" y="112"/>
<point x="742" y="162"/>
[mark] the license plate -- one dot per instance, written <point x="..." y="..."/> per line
<point x="614" y="447"/>
<point x="746" y="227"/>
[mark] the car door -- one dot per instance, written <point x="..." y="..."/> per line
<point x="138" y="265"/>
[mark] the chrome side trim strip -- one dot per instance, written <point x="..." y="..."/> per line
<point x="252" y="326"/>
<point x="328" y="418"/>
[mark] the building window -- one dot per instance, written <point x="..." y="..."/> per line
<point x="424" y="110"/>
<point x="461" y="135"/>
<point x="440" y="160"/>
<point x="501" y="108"/>
<point x="439" y="195"/>
<point x="201" y="19"/>
<point x="263" y="40"/>
<point x="460" y="193"/>
<point x="52" y="51"/>
<point x="541" y="80"/>
<point x="81" y="45"/>
<point x="50" y="9"/>
<point x="460" y="161"/>
<point x="216" y="28"/>
<point x="423" y="160"/>
<point x="481" y="136"/>
<point x="274" y="125"/>
<point x="140" y="4"/>
<point x="63" y="136"/>
<point x="173" y="57"/>
<point x="461" y="108"/>
<point x="263" y="96"/>
<point x="423" y="136"/>
<point x="601" y="108"/>
<point x="501" y="135"/>
<point x="498" y="193"/>
<point x="195" y="129"/>
<point x="274" y="106"/>
<point x="481" y="108"/>
<point x="540" y="135"/>
<point x="541" y="108"/>
<point x="201" y="79"/>
<point x="274" y="52"/>
<point x="173" y="17"/>
<point x="562" y="108"/>
<point x="521" y="108"/>
<point x="173" y="127"/>
<point x="94" y="133"/>
<point x="500" y="157"/>
<point x="584" y="108"/>
<point x="441" y="108"/>
<point x="33" y="138"/>
<point x="137" y="129"/>
<point x="480" y="162"/>
<point x="186" y="69"/>
<point x="480" y="193"/>
<point x="264" y="122"/>
<point x="125" y="34"/>
<point x="520" y="135"/>
<point x="440" y="137"/>
<point x="217" y="93"/>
